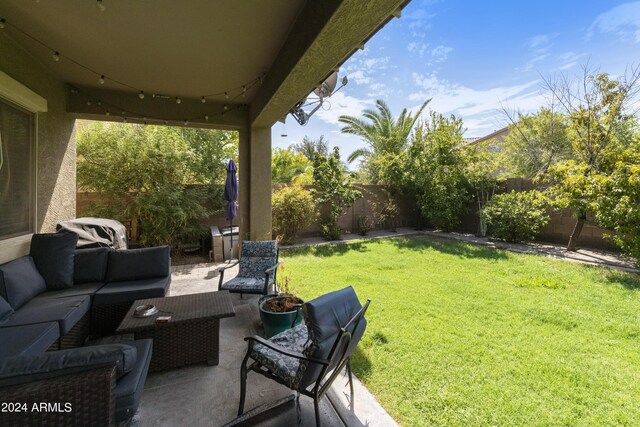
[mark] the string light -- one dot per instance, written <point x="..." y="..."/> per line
<point x="141" y="94"/>
<point x="135" y="117"/>
<point x="178" y="100"/>
<point x="101" y="6"/>
<point x="240" y="90"/>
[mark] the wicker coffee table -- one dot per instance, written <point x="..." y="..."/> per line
<point x="191" y="336"/>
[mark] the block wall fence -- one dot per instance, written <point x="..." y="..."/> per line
<point x="557" y="231"/>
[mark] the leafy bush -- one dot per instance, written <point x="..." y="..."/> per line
<point x="293" y="211"/>
<point x="516" y="216"/>
<point x="334" y="188"/>
<point x="437" y="159"/>
<point x="364" y="224"/>
<point x="169" y="179"/>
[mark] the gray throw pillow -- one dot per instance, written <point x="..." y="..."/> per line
<point x="53" y="254"/>
<point x="20" y="281"/>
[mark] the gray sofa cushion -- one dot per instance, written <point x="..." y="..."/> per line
<point x="134" y="264"/>
<point x="66" y="311"/>
<point x="128" y="291"/>
<point x="129" y="387"/>
<point x="20" y="281"/>
<point x="76" y="290"/>
<point x="17" y="370"/>
<point x="5" y="310"/>
<point x="53" y="254"/>
<point x="90" y="265"/>
<point x="28" y="340"/>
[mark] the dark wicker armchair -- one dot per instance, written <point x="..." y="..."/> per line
<point x="309" y="357"/>
<point x="258" y="268"/>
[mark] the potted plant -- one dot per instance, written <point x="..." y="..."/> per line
<point x="282" y="311"/>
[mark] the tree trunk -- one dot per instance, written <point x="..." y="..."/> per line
<point x="573" y="240"/>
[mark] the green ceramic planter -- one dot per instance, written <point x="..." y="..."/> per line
<point x="274" y="323"/>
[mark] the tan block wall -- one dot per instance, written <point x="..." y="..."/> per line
<point x="56" y="153"/>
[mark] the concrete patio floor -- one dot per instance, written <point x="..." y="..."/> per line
<point x="202" y="395"/>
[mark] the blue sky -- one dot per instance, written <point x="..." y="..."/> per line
<point x="473" y="57"/>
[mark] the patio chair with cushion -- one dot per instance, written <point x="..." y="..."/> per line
<point x="258" y="267"/>
<point x="309" y="357"/>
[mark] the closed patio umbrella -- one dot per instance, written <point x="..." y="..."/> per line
<point x="231" y="195"/>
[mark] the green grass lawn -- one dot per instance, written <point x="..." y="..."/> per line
<point x="465" y="335"/>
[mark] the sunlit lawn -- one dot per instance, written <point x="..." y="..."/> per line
<point x="466" y="335"/>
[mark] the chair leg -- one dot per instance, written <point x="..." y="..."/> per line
<point x="350" y="379"/>
<point x="316" y="405"/>
<point x="243" y="383"/>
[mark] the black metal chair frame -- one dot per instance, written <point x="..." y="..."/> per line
<point x="331" y="366"/>
<point x="267" y="273"/>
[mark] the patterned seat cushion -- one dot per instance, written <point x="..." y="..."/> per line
<point x="288" y="369"/>
<point x="257" y="257"/>
<point x="244" y="284"/>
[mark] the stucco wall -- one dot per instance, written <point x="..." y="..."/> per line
<point x="56" y="152"/>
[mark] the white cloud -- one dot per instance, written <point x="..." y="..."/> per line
<point x="340" y="104"/>
<point x="473" y="105"/>
<point x="417" y="47"/>
<point x="378" y="90"/>
<point x="440" y="53"/>
<point x="541" y="40"/>
<point x="359" y="78"/>
<point x="622" y="20"/>
<point x="361" y="68"/>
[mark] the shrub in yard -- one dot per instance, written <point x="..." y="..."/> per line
<point x="516" y="216"/>
<point x="333" y="188"/>
<point x="293" y="211"/>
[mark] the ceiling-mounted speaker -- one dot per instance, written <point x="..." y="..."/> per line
<point x="327" y="87"/>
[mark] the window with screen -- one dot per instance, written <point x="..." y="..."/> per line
<point x="17" y="170"/>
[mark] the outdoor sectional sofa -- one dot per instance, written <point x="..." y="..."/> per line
<point x="50" y="302"/>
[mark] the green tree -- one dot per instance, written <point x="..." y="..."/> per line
<point x="435" y="172"/>
<point x="386" y="138"/>
<point x="290" y="167"/>
<point x="333" y="188"/>
<point x="308" y="147"/>
<point x="618" y="204"/>
<point x="168" y="178"/>
<point x="535" y="143"/>
<point x="598" y="127"/>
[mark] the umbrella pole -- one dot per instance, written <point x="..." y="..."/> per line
<point x="231" y="241"/>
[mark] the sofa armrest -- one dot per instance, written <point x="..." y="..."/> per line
<point x="134" y="264"/>
<point x="79" y="398"/>
<point x="23" y="369"/>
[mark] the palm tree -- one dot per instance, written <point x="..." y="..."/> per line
<point x="382" y="132"/>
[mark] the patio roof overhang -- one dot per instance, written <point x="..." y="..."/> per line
<point x="279" y="50"/>
<point x="251" y="60"/>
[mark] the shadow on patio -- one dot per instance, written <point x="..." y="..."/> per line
<point x="208" y="395"/>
